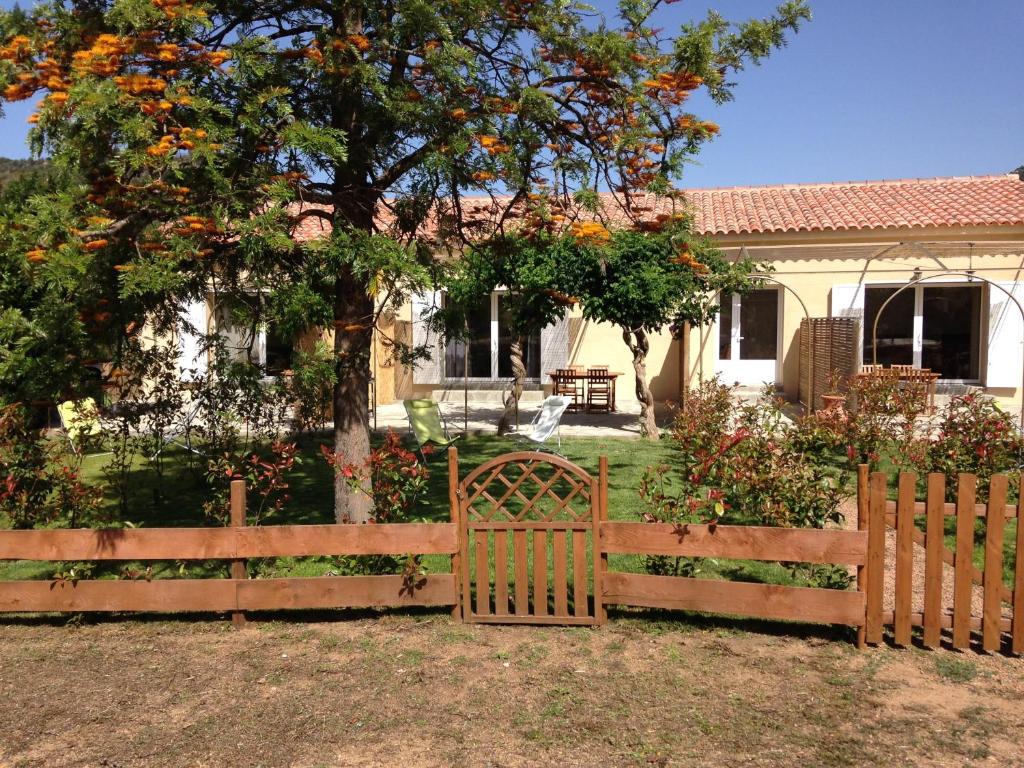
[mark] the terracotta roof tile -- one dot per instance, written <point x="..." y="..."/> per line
<point x="959" y="201"/>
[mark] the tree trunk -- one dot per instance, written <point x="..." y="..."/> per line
<point x="639" y="345"/>
<point x="518" y="380"/>
<point x="353" y="311"/>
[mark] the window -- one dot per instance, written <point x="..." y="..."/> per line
<point x="927" y="326"/>
<point x="264" y="345"/>
<point x="489" y="345"/>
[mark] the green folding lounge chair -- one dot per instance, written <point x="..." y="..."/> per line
<point x="80" y="419"/>
<point x="427" y="424"/>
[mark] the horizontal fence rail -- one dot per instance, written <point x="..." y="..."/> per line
<point x="235" y="544"/>
<point x="769" y="601"/>
<point x="229" y="543"/>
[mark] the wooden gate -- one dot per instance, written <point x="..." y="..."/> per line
<point x="549" y="506"/>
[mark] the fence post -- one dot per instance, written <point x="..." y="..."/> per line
<point x="862" y="525"/>
<point x="876" y="556"/>
<point x="458" y="558"/>
<point x="238" y="568"/>
<point x="600" y="557"/>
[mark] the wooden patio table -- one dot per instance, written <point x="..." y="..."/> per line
<point x="585" y="377"/>
<point x="924" y="376"/>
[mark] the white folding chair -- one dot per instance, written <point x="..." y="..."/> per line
<point x="548" y="421"/>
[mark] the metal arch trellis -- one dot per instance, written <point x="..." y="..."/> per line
<point x="971" y="277"/>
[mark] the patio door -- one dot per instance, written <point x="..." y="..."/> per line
<point x="748" y="337"/>
<point x="489" y="345"/>
<point x="927" y="326"/>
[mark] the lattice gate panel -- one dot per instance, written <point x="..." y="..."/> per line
<point x="530" y="522"/>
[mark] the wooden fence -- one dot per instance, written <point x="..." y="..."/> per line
<point x="934" y="613"/>
<point x="863" y="549"/>
<point x="235" y="543"/>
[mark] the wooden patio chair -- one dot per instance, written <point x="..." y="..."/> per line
<point x="569" y="383"/>
<point x="599" y="389"/>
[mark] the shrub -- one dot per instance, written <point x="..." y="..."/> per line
<point x="310" y="385"/>
<point x="266" y="479"/>
<point x="976" y="436"/>
<point x="40" y="482"/>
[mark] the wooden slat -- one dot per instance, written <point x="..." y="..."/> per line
<point x="540" y="573"/>
<point x="949" y="509"/>
<point x="599" y="507"/>
<point x="170" y="595"/>
<point x="769" y="601"/>
<point x="520" y="570"/>
<point x="962" y="566"/>
<point x="933" y="567"/>
<point x="346" y="592"/>
<point x="949" y="558"/>
<point x="238" y="520"/>
<point x="456" y="516"/>
<point x="862" y="525"/>
<point x="946" y="620"/>
<point x="1017" y="641"/>
<point x="501" y="573"/>
<point x="483" y="578"/>
<point x="382" y="539"/>
<point x="560" y="546"/>
<point x="876" y="556"/>
<point x="529" y="525"/>
<point x="579" y="574"/>
<point x="176" y="595"/>
<point x="904" y="556"/>
<point x="993" y="574"/>
<point x="229" y="543"/>
<point x="739" y="542"/>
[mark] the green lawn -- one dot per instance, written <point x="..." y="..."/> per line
<point x="177" y="500"/>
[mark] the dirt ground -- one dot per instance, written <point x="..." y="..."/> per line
<point x="420" y="690"/>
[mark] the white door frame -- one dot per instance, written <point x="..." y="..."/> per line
<point x="749" y="372"/>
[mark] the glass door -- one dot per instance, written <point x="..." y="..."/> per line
<point x="748" y="337"/>
<point x="928" y="326"/>
<point x="490" y="345"/>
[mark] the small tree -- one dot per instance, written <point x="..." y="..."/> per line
<point x="646" y="281"/>
<point x="527" y="268"/>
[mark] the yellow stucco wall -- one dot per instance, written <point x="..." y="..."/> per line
<point x="810" y="267"/>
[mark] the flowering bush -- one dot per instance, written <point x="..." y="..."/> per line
<point x="391" y="475"/>
<point x="393" y="478"/>
<point x="40" y="482"/>
<point x="974" y="435"/>
<point x="741" y="464"/>
<point x="265" y="477"/>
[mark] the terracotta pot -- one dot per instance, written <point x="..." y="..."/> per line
<point x="833" y="403"/>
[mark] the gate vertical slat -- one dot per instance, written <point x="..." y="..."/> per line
<point x="904" y="556"/>
<point x="501" y="573"/>
<point x="995" y="516"/>
<point x="483" y="579"/>
<point x="862" y="525"/>
<point x="599" y="491"/>
<point x="522" y="580"/>
<point x="933" y="567"/>
<point x="540" y="573"/>
<point x="559" y="546"/>
<point x="580" y="587"/>
<point x="876" y="556"/>
<point x="458" y="516"/>
<point x="963" y="564"/>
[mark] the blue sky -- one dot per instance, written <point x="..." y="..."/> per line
<point x="868" y="90"/>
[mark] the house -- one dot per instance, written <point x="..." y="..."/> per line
<point x="836" y="249"/>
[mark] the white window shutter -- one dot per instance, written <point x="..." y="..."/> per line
<point x="191" y="353"/>
<point x="848" y="301"/>
<point x="429" y="371"/>
<point x="1005" y="337"/>
<point x="554" y="346"/>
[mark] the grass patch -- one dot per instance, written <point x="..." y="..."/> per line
<point x="955" y="670"/>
